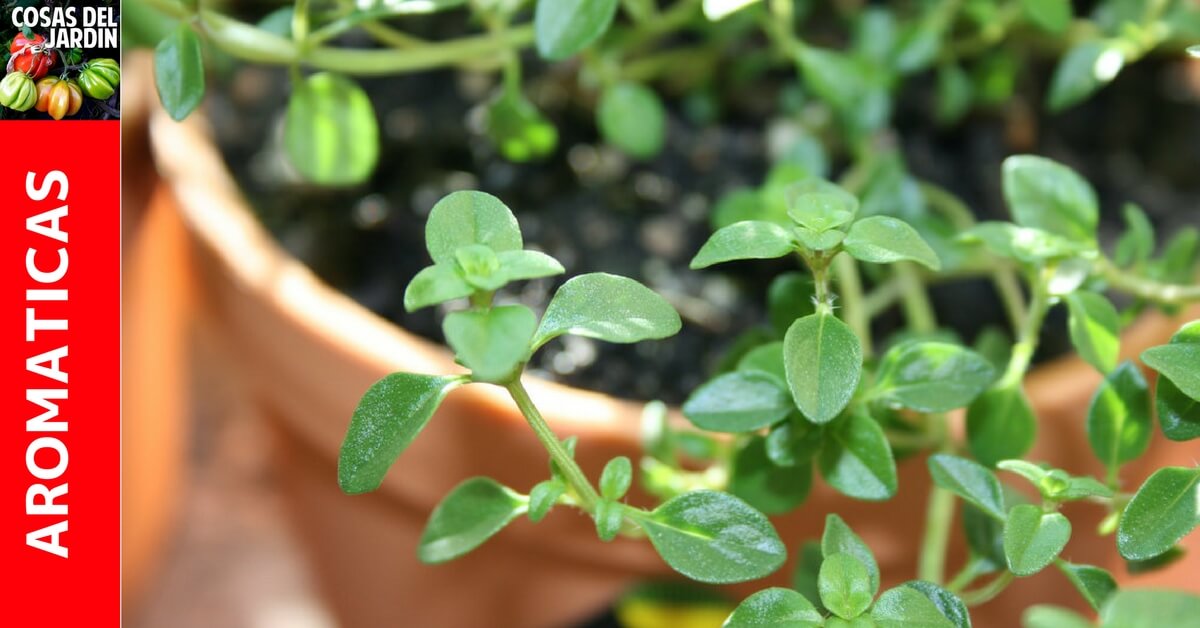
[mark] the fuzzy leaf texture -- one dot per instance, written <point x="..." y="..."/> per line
<point x="741" y="401"/>
<point x="883" y="240"/>
<point x="969" y="480"/>
<point x="1179" y="414"/>
<point x="845" y="585"/>
<point x="388" y="417"/>
<point x="714" y="537"/>
<point x="472" y="512"/>
<point x="748" y="239"/>
<point x="1033" y="539"/>
<point x="607" y="307"/>
<point x="857" y="460"/>
<point x="823" y="361"/>
<point x="775" y="608"/>
<point x="469" y="217"/>
<point x="1000" y="425"/>
<point x="1164" y="510"/>
<point x="492" y="343"/>
<point x="932" y="376"/>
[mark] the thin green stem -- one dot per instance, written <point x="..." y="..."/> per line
<point x="939" y="514"/>
<point x="1009" y="288"/>
<point x="987" y="591"/>
<point x="1146" y="288"/>
<point x="1027" y="335"/>
<point x="588" y="497"/>
<point x="853" y="309"/>
<point x="820" y="271"/>
<point x="251" y="43"/>
<point x="965" y="576"/>
<point x="917" y="309"/>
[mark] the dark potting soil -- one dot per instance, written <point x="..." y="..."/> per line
<point x="595" y="210"/>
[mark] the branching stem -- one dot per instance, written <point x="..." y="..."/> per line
<point x="588" y="497"/>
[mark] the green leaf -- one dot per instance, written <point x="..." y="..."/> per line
<point x="492" y="343"/>
<point x="1033" y="539"/>
<point x="985" y="537"/>
<point x="607" y="307"/>
<point x="714" y="537"/>
<point x="478" y="264"/>
<point x="1093" y="583"/>
<point x="1056" y="484"/>
<point x="388" y="417"/>
<point x="1179" y="257"/>
<point x="764" y="485"/>
<point x="435" y="284"/>
<point x="775" y="608"/>
<point x="1136" y="245"/>
<point x="918" y="45"/>
<point x="1000" y="425"/>
<point x="1148" y="608"/>
<point x="1095" y="327"/>
<point x="1164" y="510"/>
<point x="632" y="118"/>
<point x="969" y="480"/>
<point x="330" y="132"/>
<point x="616" y="478"/>
<point x="768" y="359"/>
<point x="822" y="241"/>
<point x="845" y="585"/>
<point x="793" y="442"/>
<point x="1024" y="244"/>
<point x="908" y="607"/>
<point x="1046" y="616"/>
<point x="1087" y="66"/>
<point x="883" y="240"/>
<point x="1178" y="414"/>
<point x="1044" y="194"/>
<point x="1118" y="421"/>
<point x="517" y="265"/>
<point x="1051" y="15"/>
<point x="789" y="297"/>
<point x="562" y="28"/>
<point x="823" y="361"/>
<point x="954" y="94"/>
<point x="947" y="604"/>
<point x="840" y="539"/>
<point x="808" y="569"/>
<point x="543" y="497"/>
<point x="856" y="459"/>
<point x="932" y="376"/>
<point x="741" y="401"/>
<point x="748" y="239"/>
<point x="279" y="22"/>
<point x="819" y="205"/>
<point x="179" y="72"/>
<point x="1178" y="362"/>
<point x="519" y="131"/>
<point x="472" y="512"/>
<point x="470" y="217"/>
<point x="608" y="518"/>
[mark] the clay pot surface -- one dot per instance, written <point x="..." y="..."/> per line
<point x="306" y="354"/>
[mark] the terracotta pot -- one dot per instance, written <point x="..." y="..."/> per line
<point x="154" y="301"/>
<point x="306" y="353"/>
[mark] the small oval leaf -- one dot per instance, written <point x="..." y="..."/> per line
<point x="632" y="118"/>
<point x="775" y="608"/>
<point x="748" y="239"/>
<point x="970" y="481"/>
<point x="470" y="217"/>
<point x="883" y="240"/>
<point x="1033" y="538"/>
<point x="857" y="460"/>
<point x="564" y="27"/>
<point x="388" y="417"/>
<point x="845" y="586"/>
<point x="330" y="131"/>
<point x="741" y="401"/>
<point x="607" y="307"/>
<point x="179" y="72"/>
<point x="714" y="537"/>
<point x="1094" y="326"/>
<point x="932" y="376"/>
<point x="472" y="512"/>
<point x="823" y="361"/>
<point x="1165" y="509"/>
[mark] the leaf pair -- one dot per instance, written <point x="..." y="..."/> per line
<point x="818" y="213"/>
<point x="1032" y="538"/>
<point x="846" y="581"/>
<point x="1177" y="395"/>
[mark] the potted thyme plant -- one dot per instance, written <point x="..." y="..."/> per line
<point x="820" y="392"/>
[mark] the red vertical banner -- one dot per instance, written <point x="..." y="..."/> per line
<point x="60" y="448"/>
<point x="60" y="287"/>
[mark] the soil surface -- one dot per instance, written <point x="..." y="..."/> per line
<point x="596" y="210"/>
